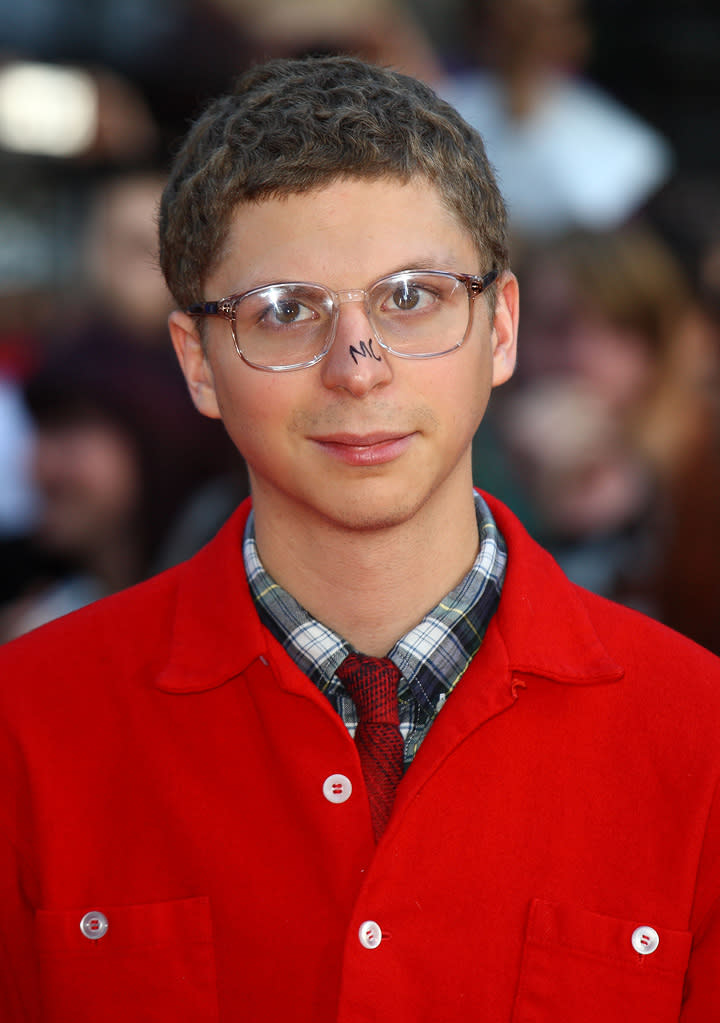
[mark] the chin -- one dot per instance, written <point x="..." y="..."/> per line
<point x="373" y="516"/>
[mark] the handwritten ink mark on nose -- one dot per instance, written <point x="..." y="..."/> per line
<point x="364" y="351"/>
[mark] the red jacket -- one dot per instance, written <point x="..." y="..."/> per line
<point x="171" y="769"/>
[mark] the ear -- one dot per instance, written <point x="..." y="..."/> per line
<point x="505" y="328"/>
<point x="194" y="363"/>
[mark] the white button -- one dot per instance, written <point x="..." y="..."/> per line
<point x="94" y="925"/>
<point x="337" y="788"/>
<point x="645" y="940"/>
<point x="370" y="934"/>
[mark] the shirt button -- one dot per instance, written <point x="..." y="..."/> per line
<point x="645" y="940"/>
<point x="94" y="925"/>
<point x="337" y="788"/>
<point x="370" y="934"/>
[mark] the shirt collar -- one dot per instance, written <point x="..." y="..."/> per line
<point x="431" y="657"/>
<point x="214" y="633"/>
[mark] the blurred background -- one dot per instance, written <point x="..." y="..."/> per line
<point x="601" y="119"/>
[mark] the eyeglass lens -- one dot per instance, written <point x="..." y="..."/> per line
<point x="411" y="313"/>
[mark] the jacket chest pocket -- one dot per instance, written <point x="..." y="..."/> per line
<point x="118" y="963"/>
<point x="581" y="966"/>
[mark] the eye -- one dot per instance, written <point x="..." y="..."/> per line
<point x="407" y="296"/>
<point x="280" y="307"/>
<point x="287" y="311"/>
<point x="283" y="311"/>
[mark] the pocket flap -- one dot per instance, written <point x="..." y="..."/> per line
<point x="608" y="937"/>
<point x="577" y="965"/>
<point x="118" y="963"/>
<point x="157" y="923"/>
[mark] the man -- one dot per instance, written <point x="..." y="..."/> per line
<point x="368" y="755"/>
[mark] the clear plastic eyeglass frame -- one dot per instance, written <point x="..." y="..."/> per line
<point x="227" y="308"/>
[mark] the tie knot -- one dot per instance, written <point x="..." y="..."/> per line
<point x="372" y="683"/>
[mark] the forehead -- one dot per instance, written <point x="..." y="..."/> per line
<point x="344" y="234"/>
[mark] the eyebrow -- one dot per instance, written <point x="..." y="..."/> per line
<point x="427" y="263"/>
<point x="447" y="263"/>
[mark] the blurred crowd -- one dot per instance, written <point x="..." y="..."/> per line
<point x="607" y="442"/>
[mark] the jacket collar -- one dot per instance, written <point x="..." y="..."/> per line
<point x="542" y="618"/>
<point x="216" y="631"/>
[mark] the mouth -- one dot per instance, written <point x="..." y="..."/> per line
<point x="365" y="449"/>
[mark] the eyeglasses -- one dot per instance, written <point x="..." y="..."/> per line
<point x="415" y="314"/>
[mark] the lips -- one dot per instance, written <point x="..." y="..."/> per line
<point x="365" y="449"/>
<point x="360" y="440"/>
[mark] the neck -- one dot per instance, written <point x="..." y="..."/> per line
<point x="371" y="587"/>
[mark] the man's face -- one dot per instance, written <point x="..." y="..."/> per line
<point x="356" y="442"/>
<point x="88" y="476"/>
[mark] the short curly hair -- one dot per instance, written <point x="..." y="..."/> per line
<point x="293" y="125"/>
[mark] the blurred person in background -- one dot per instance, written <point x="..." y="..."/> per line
<point x="114" y="458"/>
<point x="612" y="402"/>
<point x="687" y="214"/>
<point x="122" y="303"/>
<point x="123" y="289"/>
<point x="115" y="443"/>
<point x="26" y="308"/>
<point x="128" y="303"/>
<point x="566" y="153"/>
<point x="386" y="32"/>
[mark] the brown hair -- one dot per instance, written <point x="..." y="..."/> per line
<point x="291" y="126"/>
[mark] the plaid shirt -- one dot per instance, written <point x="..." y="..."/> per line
<point x="432" y="657"/>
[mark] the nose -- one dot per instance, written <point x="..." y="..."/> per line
<point x="356" y="362"/>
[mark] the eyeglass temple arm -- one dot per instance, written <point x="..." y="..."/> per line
<point x="204" y="309"/>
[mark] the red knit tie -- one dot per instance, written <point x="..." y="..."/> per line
<point x="372" y="683"/>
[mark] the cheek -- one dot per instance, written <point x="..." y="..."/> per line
<point x="255" y="410"/>
<point x="467" y="386"/>
<point x="454" y="394"/>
